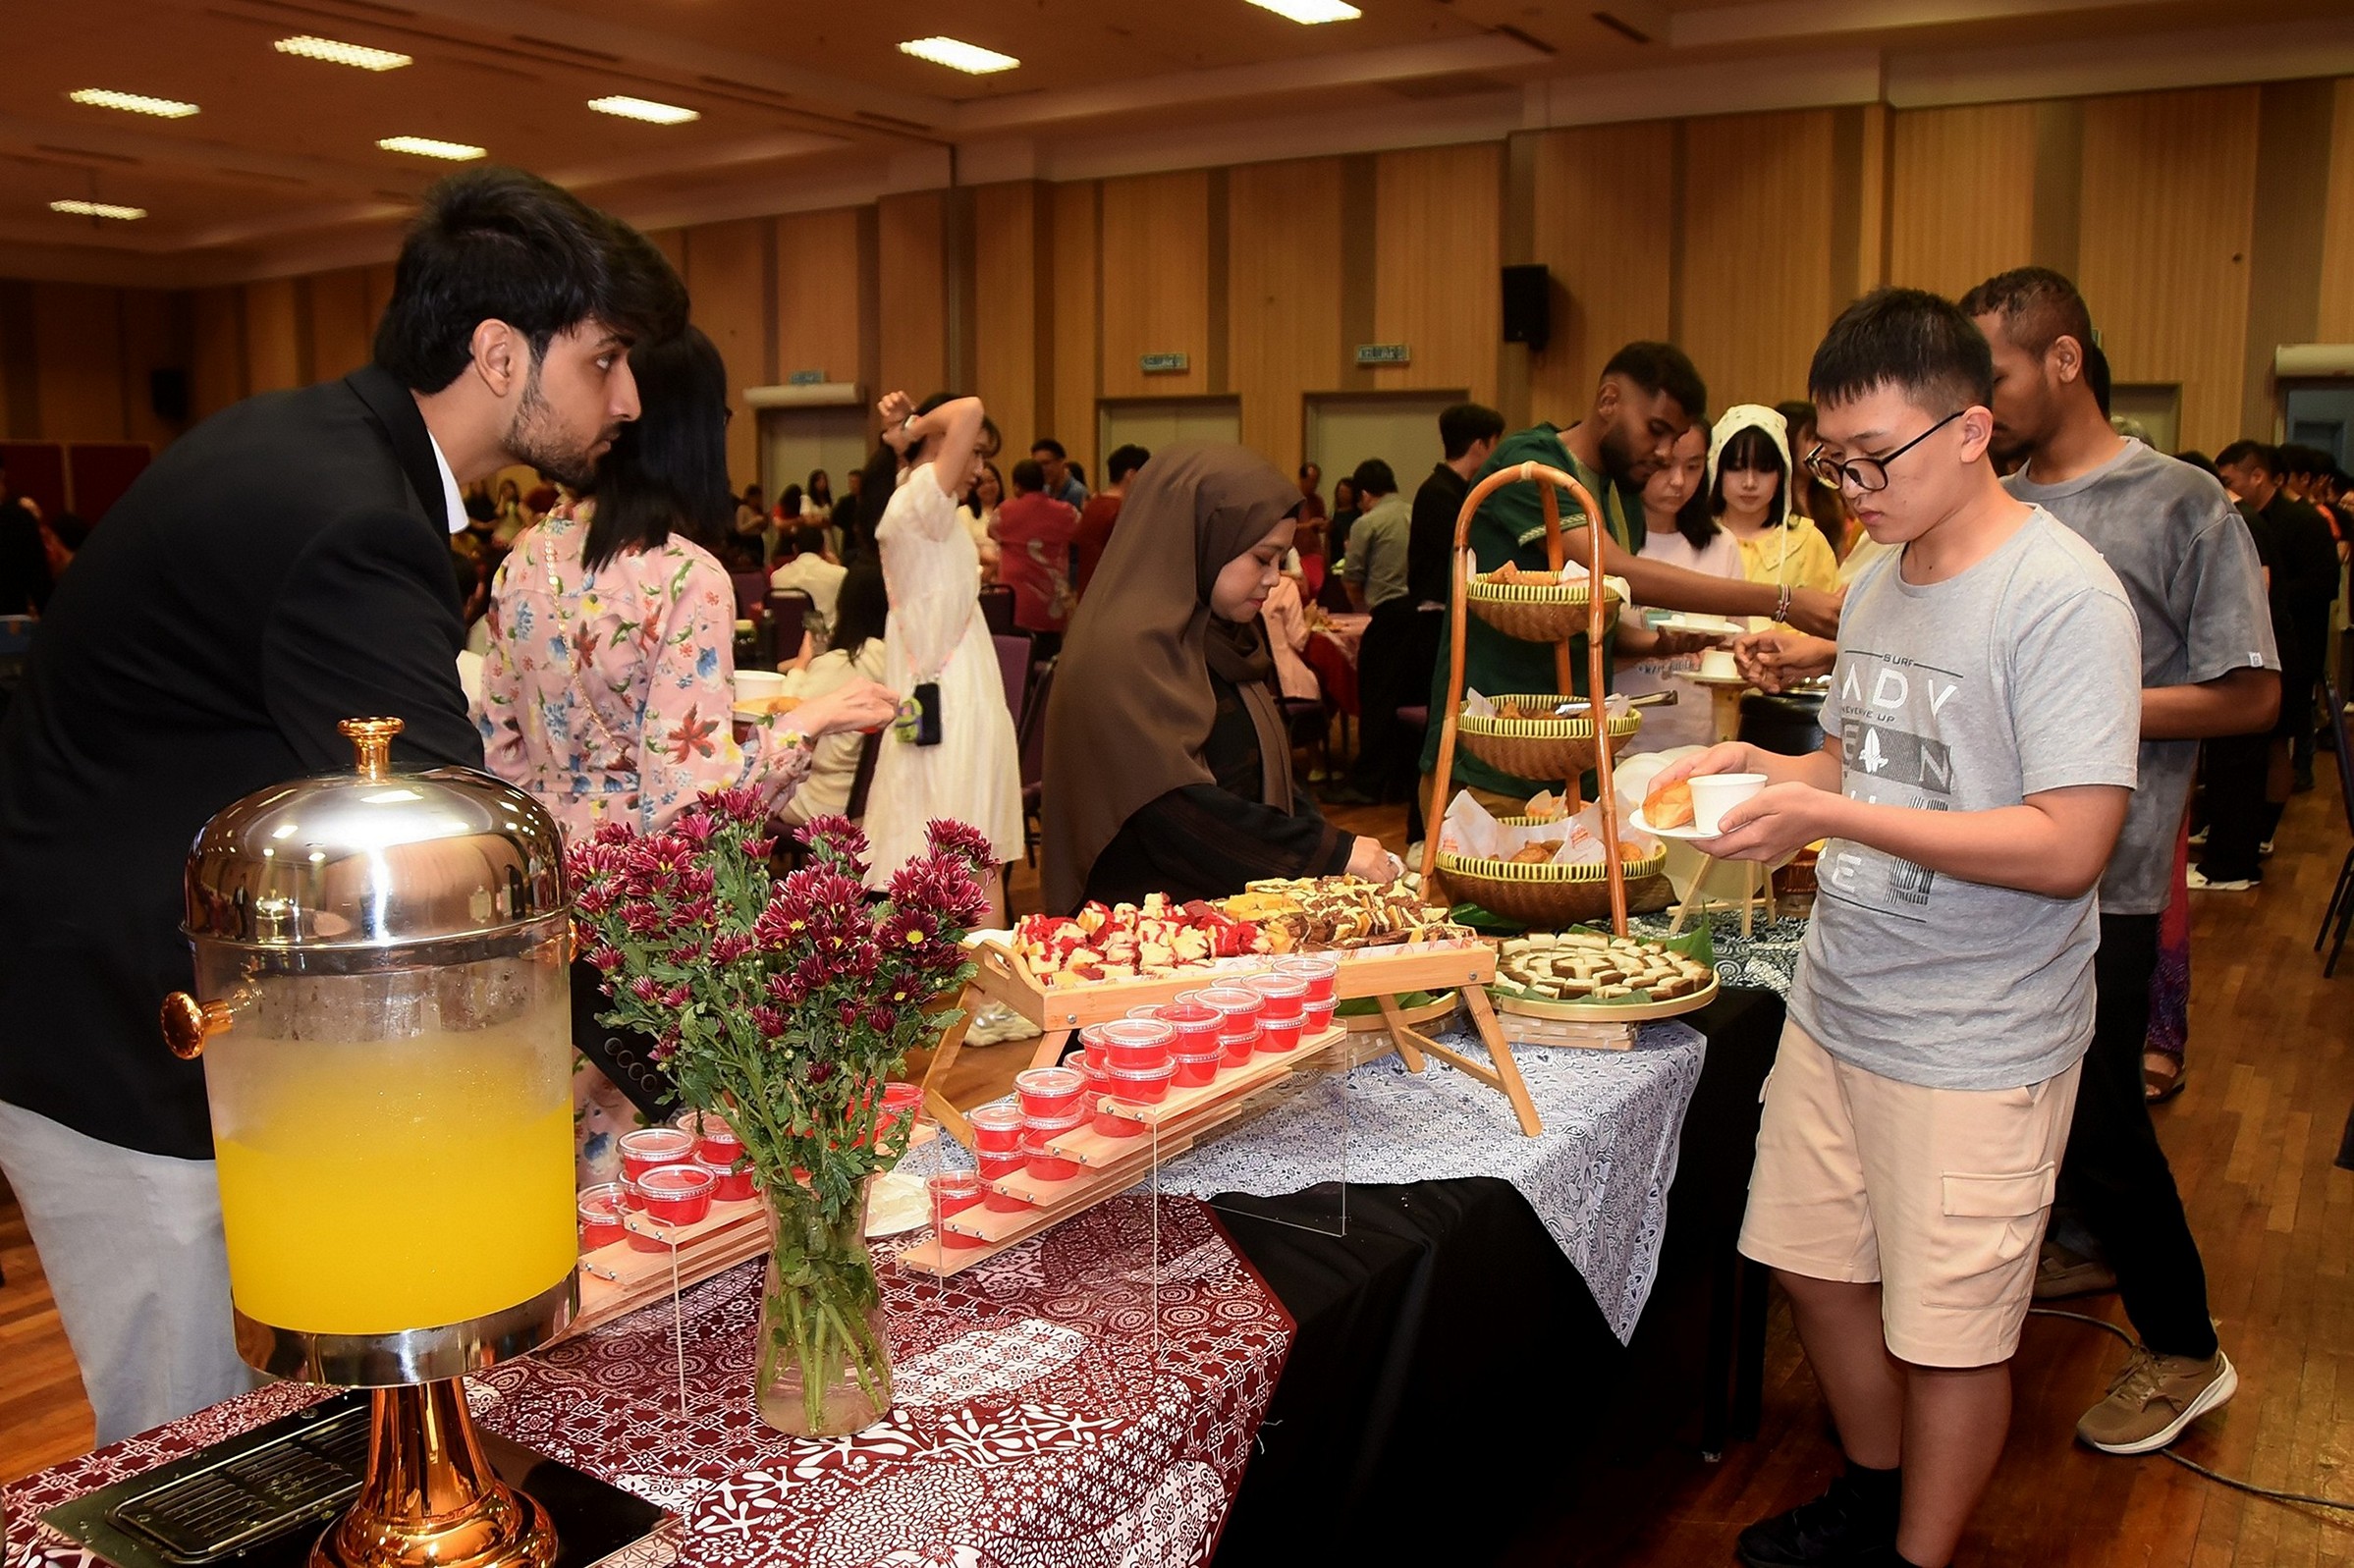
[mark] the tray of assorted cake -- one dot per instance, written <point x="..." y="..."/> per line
<point x="1183" y="1012"/>
<point x="1583" y="975"/>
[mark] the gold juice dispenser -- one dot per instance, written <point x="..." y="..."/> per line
<point x="383" y="1010"/>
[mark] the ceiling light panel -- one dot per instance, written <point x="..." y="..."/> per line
<point x="646" y="109"/>
<point x="134" y="103"/>
<point x="957" y="55"/>
<point x="336" y="52"/>
<point x="432" y="148"/>
<point x="97" y="209"/>
<point x="1310" y="11"/>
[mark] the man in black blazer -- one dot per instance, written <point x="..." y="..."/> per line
<point x="284" y="565"/>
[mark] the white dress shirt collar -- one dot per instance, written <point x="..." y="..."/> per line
<point x="452" y="501"/>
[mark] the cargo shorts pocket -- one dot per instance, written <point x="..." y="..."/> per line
<point x="1984" y="1250"/>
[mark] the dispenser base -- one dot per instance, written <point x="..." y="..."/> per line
<point x="258" y="1500"/>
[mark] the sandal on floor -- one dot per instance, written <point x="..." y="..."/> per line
<point x="2161" y="1077"/>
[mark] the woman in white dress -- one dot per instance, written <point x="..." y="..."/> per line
<point x="937" y="639"/>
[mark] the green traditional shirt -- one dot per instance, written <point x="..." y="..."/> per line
<point x="1510" y="526"/>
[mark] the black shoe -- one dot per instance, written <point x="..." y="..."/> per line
<point x="2304" y="780"/>
<point x="1852" y="1525"/>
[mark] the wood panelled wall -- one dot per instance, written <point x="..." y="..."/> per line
<point x="2204" y="226"/>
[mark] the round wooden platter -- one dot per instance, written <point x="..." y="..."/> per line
<point x="1373" y="1023"/>
<point x="1604" y="1011"/>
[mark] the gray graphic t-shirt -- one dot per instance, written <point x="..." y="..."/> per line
<point x="2188" y="565"/>
<point x="2020" y="674"/>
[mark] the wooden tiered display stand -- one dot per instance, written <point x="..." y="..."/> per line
<point x="1587" y="1024"/>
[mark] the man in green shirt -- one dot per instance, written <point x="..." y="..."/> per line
<point x="1649" y="394"/>
<point x="1376" y="571"/>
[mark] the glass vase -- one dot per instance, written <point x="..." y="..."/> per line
<point x="824" y="1363"/>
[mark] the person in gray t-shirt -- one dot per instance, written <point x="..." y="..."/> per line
<point x="1982" y="737"/>
<point x="2208" y="669"/>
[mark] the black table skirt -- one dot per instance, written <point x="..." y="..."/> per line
<point x="1453" y="1383"/>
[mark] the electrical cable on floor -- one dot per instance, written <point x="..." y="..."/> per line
<point x="2234" y="1484"/>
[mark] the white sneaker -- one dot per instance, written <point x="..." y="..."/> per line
<point x="2263" y="850"/>
<point x="2197" y="882"/>
<point x="2199" y="840"/>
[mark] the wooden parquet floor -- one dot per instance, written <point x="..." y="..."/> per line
<point x="2251" y="1139"/>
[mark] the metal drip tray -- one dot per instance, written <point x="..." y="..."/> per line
<point x="260" y="1500"/>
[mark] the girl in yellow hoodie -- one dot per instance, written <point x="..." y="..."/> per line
<point x="1750" y="494"/>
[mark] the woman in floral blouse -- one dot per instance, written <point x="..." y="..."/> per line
<point x="608" y="685"/>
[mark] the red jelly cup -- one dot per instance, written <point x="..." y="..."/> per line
<point x="677" y="1195"/>
<point x="1236" y="1051"/>
<point x="1317" y="1018"/>
<point x="735" y="1183"/>
<point x="1319" y="975"/>
<point x="1285" y="995"/>
<point x="899" y="1100"/>
<point x="1151" y="1009"/>
<point x="1134" y="1046"/>
<point x="601" y="1223"/>
<point x="1045" y="1166"/>
<point x="1238" y="1003"/>
<point x="646" y="1149"/>
<point x="995" y="1169"/>
<point x="716" y="1142"/>
<point x="1144" y="1088"/>
<point x="1049" y="1093"/>
<point x="997" y="1128"/>
<point x="1195" y="1071"/>
<point x="1278" y="1035"/>
<point x="954" y="1192"/>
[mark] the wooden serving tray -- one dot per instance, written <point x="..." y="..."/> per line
<point x="1111" y="1165"/>
<point x="1364" y="972"/>
<point x="731" y="1233"/>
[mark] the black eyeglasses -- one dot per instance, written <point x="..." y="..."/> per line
<point x="1868" y="474"/>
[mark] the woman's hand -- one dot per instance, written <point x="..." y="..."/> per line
<point x="857" y="704"/>
<point x="895" y="410"/>
<point x="1369" y="860"/>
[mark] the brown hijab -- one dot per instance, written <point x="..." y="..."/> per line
<point x="1132" y="706"/>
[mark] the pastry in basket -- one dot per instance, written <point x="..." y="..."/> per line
<point x="1670" y="807"/>
<point x="1510" y="573"/>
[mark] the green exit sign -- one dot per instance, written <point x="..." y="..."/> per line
<point x="1383" y="354"/>
<point x="1163" y="365"/>
<point x="807" y="378"/>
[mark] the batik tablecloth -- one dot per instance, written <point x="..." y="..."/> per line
<point x="1598" y="1176"/>
<point x="1763" y="960"/>
<point x="1044" y="1416"/>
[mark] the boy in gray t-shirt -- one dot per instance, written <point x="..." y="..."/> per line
<point x="1982" y="729"/>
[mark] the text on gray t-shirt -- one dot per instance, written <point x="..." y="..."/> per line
<point x="2017" y="675"/>
<point x="2189" y="568"/>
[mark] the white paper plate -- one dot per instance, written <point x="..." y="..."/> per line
<point x="1711" y="625"/>
<point x="1681" y="835"/>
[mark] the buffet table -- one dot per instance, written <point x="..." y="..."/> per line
<point x="1042" y="1414"/>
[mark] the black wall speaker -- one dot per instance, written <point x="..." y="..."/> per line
<point x="1527" y="306"/>
<point x="167" y="394"/>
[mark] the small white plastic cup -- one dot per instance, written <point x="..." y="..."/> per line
<point x="754" y="686"/>
<point x="1716" y="793"/>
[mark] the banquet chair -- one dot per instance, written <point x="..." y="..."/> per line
<point x="997" y="608"/>
<point x="751" y="593"/>
<point x="2342" y="896"/>
<point x="791" y="612"/>
<point x="1032" y="735"/>
<point x="1013" y="664"/>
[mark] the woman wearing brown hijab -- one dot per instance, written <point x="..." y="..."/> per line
<point x="1168" y="766"/>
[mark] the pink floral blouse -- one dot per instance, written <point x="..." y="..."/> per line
<point x="607" y="694"/>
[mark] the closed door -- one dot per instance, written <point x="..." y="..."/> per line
<point x="1402" y="428"/>
<point x="1157" y="422"/>
<point x="795" y="441"/>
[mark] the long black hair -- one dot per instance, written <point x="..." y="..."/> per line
<point x="821" y="488"/>
<point x="668" y="469"/>
<point x="861" y="604"/>
<point x="1751" y="449"/>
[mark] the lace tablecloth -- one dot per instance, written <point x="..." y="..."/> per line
<point x="1598" y="1176"/>
<point x="1043" y="1418"/>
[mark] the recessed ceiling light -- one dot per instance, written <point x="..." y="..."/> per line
<point x="431" y="147"/>
<point x="97" y="209"/>
<point x="646" y="109"/>
<point x="1310" y="11"/>
<point x="134" y="103"/>
<point x="338" y="53"/>
<point x="957" y="55"/>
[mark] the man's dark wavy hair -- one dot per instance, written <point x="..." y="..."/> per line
<point x="497" y="244"/>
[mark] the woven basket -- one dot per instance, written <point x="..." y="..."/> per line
<point x="1545" y="897"/>
<point x="1544" y="749"/>
<point x="1537" y="612"/>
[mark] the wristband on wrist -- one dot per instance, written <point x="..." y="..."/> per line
<point x="1781" y="603"/>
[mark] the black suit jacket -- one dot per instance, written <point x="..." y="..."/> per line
<point x="283" y="565"/>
